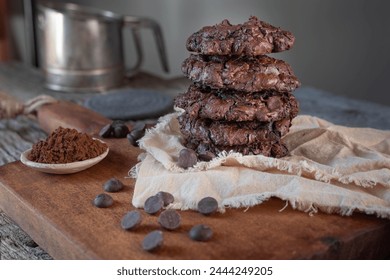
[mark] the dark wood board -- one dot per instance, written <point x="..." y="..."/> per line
<point x="57" y="211"/>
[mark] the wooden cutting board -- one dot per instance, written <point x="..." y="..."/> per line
<point x="57" y="211"/>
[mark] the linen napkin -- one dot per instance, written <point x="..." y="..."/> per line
<point x="332" y="168"/>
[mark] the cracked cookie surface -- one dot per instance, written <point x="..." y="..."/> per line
<point x="232" y="133"/>
<point x="245" y="74"/>
<point x="252" y="38"/>
<point x="223" y="105"/>
<point x="269" y="149"/>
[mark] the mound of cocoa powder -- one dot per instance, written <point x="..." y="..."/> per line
<point x="66" y="145"/>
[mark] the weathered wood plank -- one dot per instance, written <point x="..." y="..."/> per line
<point x="17" y="135"/>
<point x="23" y="83"/>
<point x="78" y="230"/>
<point x="15" y="244"/>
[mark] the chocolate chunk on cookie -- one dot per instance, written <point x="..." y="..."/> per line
<point x="269" y="149"/>
<point x="251" y="38"/>
<point x="246" y="74"/>
<point x="222" y="105"/>
<point x="232" y="133"/>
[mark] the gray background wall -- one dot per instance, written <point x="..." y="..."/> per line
<point x="341" y="46"/>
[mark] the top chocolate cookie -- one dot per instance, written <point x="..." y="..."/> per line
<point x="252" y="38"/>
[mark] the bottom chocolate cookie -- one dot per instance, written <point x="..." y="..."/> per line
<point x="268" y="149"/>
<point x="232" y="133"/>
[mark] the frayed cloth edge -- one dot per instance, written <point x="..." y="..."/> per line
<point x="301" y="168"/>
<point x="246" y="202"/>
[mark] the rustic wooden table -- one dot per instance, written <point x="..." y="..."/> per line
<point x="17" y="135"/>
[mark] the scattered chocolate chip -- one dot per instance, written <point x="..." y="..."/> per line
<point x="169" y="219"/>
<point x="117" y="123"/>
<point x="153" y="240"/>
<point x="106" y="131"/>
<point x="132" y="140"/>
<point x="153" y="204"/>
<point x="187" y="158"/>
<point x="166" y="197"/>
<point x="207" y="156"/>
<point x="200" y="233"/>
<point x="139" y="126"/>
<point x="113" y="185"/>
<point x="103" y="200"/>
<point x="131" y="220"/>
<point x="117" y="129"/>
<point x="120" y="131"/>
<point x="207" y="205"/>
<point x="137" y="133"/>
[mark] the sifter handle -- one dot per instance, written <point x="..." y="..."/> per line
<point x="135" y="23"/>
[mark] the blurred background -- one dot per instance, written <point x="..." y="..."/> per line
<point x="341" y="46"/>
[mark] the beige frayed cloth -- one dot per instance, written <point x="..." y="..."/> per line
<point x="332" y="168"/>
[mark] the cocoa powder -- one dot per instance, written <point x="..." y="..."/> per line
<point x="66" y="145"/>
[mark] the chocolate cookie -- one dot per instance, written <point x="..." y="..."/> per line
<point x="251" y="38"/>
<point x="232" y="133"/>
<point x="236" y="106"/>
<point x="245" y="74"/>
<point x="268" y="149"/>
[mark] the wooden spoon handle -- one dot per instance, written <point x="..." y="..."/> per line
<point x="70" y="115"/>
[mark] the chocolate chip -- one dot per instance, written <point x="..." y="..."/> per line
<point x="106" y="131"/>
<point x="274" y="102"/>
<point x="206" y="156"/>
<point x="169" y="219"/>
<point x="132" y="140"/>
<point x="200" y="233"/>
<point x="117" y="129"/>
<point x="120" y="131"/>
<point x="134" y="135"/>
<point x="153" y="204"/>
<point x="117" y="123"/>
<point x="166" y="197"/>
<point x="113" y="185"/>
<point x="187" y="158"/>
<point x="207" y="205"/>
<point x="137" y="133"/>
<point x="103" y="200"/>
<point x="131" y="220"/>
<point x="139" y="126"/>
<point x="153" y="240"/>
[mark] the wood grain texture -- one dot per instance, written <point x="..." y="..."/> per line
<point x="17" y="135"/>
<point x="289" y="234"/>
<point x="57" y="211"/>
<point x="69" y="114"/>
<point x="15" y="244"/>
<point x="23" y="83"/>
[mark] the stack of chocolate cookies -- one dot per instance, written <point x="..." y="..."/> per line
<point x="240" y="100"/>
